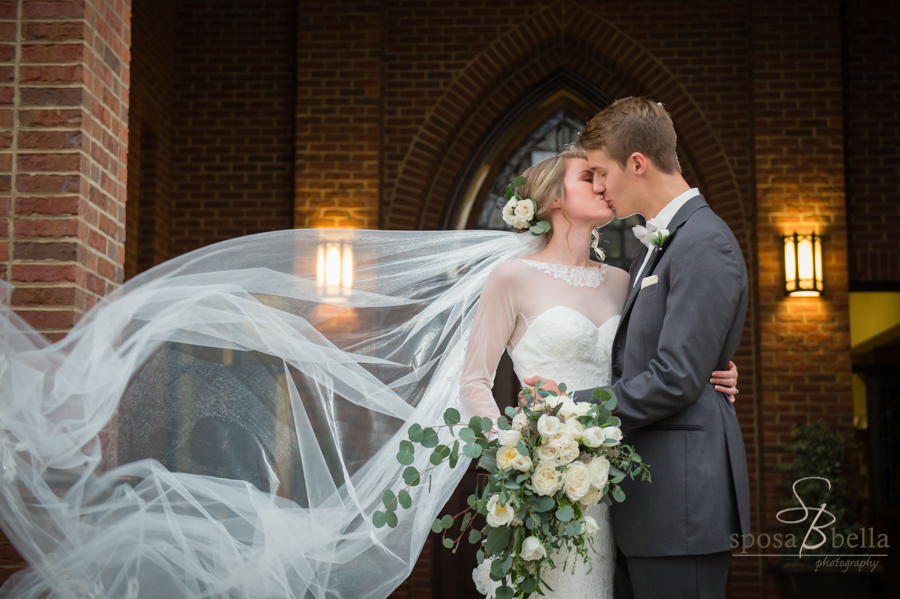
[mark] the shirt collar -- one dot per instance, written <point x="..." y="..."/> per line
<point x="669" y="211"/>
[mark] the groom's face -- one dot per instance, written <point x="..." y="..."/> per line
<point x="612" y="182"/>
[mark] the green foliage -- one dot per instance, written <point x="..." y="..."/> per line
<point x="818" y="452"/>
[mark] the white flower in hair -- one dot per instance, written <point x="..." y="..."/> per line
<point x="525" y="209"/>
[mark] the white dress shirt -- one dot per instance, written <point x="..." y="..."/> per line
<point x="663" y="219"/>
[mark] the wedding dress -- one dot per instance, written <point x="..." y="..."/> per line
<point x="557" y="322"/>
<point x="225" y="424"/>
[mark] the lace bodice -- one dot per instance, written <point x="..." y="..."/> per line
<point x="554" y="321"/>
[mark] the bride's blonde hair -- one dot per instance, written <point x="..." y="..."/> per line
<point x="545" y="181"/>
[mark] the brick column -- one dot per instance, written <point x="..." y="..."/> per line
<point x="339" y="104"/>
<point x="804" y="342"/>
<point x="63" y="134"/>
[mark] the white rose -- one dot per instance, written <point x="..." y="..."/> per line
<point x="569" y="452"/>
<point x="548" y="425"/>
<point x="532" y="549"/>
<point x="520" y="422"/>
<point x="546" y="480"/>
<point x="482" y="577"/>
<point x="599" y="470"/>
<point x="499" y="515"/>
<point x="510" y="437"/>
<point x="525" y="209"/>
<point x="592" y="437"/>
<point x="518" y="223"/>
<point x="546" y="453"/>
<point x="582" y="408"/>
<point x="575" y="427"/>
<point x="522" y="463"/>
<point x="576" y="481"/>
<point x="612" y="432"/>
<point x="561" y="438"/>
<point x="568" y="407"/>
<point x="592" y="497"/>
<point x="505" y="456"/>
<point x="590" y="526"/>
<point x="551" y="401"/>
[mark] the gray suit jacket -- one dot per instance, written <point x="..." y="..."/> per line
<point x="672" y="335"/>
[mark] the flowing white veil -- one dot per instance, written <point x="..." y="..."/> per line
<point x="225" y="424"/>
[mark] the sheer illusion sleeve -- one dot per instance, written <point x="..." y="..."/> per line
<point x="495" y="320"/>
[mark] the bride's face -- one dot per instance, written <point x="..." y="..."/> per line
<point x="582" y="204"/>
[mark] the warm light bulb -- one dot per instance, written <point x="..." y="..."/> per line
<point x="347" y="271"/>
<point x="332" y="265"/>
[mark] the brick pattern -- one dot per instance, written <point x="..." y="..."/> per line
<point x="804" y="342"/>
<point x="872" y="122"/>
<point x="339" y="102"/>
<point x="65" y="142"/>
<point x="233" y="129"/>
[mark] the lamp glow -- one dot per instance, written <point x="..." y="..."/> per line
<point x="803" y="265"/>
<point x="334" y="272"/>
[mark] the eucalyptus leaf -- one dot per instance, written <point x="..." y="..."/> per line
<point x="618" y="494"/>
<point x="508" y="193"/>
<point x="564" y="514"/>
<point x="411" y="476"/>
<point x="474" y="536"/>
<point x="388" y="498"/>
<point x="519" y="181"/>
<point x="520" y="447"/>
<point x="415" y="433"/>
<point x="405" y="455"/>
<point x="390" y="517"/>
<point x="486" y="424"/>
<point x="447" y="521"/>
<point x="451" y="416"/>
<point x="436" y="526"/>
<point x="562" y="387"/>
<point x="467" y="435"/>
<point x="404" y="498"/>
<point x="503" y="424"/>
<point x="429" y="438"/>
<point x="439" y="454"/>
<point x="505" y="593"/>
<point x="378" y="519"/>
<point x="497" y="539"/>
<point x="635" y="457"/>
<point x="448" y="543"/>
<point x="511" y="411"/>
<point x="454" y="454"/>
<point x="472" y="450"/>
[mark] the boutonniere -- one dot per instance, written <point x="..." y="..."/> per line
<point x="659" y="238"/>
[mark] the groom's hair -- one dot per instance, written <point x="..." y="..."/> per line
<point x="633" y="125"/>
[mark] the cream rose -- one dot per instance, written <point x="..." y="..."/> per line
<point x="522" y="463"/>
<point x="569" y="452"/>
<point x="520" y="422"/>
<point x="518" y="223"/>
<point x="548" y="425"/>
<point x="599" y="470"/>
<point x="614" y="433"/>
<point x="575" y="427"/>
<point x="592" y="498"/>
<point x="576" y="481"/>
<point x="592" y="437"/>
<point x="532" y="549"/>
<point x="590" y="525"/>
<point x="499" y="515"/>
<point x="505" y="456"/>
<point x="568" y="407"/>
<point x="561" y="438"/>
<point x="510" y="437"/>
<point x="525" y="209"/>
<point x="546" y="453"/>
<point x="546" y="480"/>
<point x="582" y="408"/>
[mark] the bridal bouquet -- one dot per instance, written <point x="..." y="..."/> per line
<point x="546" y="462"/>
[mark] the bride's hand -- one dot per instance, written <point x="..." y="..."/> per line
<point x="726" y="381"/>
<point x="546" y="384"/>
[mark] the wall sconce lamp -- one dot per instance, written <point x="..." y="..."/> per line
<point x="334" y="272"/>
<point x="803" y="265"/>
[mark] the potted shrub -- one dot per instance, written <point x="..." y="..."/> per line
<point x="818" y="453"/>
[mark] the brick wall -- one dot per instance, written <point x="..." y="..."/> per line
<point x="804" y="342"/>
<point x="233" y="128"/>
<point x="339" y="95"/>
<point x="871" y="68"/>
<point x="65" y="154"/>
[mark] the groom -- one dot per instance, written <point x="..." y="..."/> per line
<point x="682" y="319"/>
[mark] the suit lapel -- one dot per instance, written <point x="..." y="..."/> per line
<point x="681" y="217"/>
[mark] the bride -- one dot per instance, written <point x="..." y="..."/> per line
<point x="555" y="312"/>
<point x="225" y="424"/>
